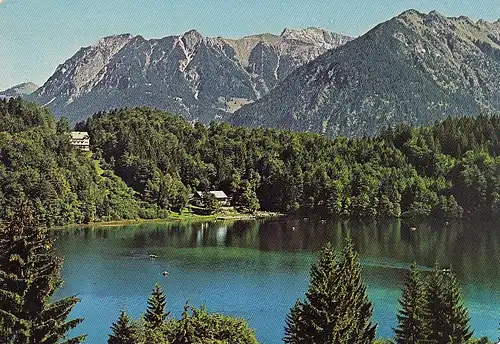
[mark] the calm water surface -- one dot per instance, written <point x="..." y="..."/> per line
<point x="257" y="269"/>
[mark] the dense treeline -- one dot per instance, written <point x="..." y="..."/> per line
<point x="196" y="325"/>
<point x="146" y="163"/>
<point x="449" y="170"/>
<point x="336" y="308"/>
<point x="38" y="164"/>
<point x="432" y="310"/>
<point x="29" y="276"/>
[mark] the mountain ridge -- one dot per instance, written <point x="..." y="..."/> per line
<point x="201" y="78"/>
<point x="415" y="68"/>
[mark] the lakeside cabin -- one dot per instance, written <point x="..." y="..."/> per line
<point x="80" y="139"/>
<point x="219" y="195"/>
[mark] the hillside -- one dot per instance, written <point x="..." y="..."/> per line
<point x="197" y="77"/>
<point x="415" y="69"/>
<point x="451" y="169"/>
<point x="146" y="162"/>
<point x="39" y="166"/>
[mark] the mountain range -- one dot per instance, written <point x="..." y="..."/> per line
<point x="415" y="68"/>
<point x="200" y="78"/>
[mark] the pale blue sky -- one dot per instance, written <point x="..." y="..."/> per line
<point x="38" y="35"/>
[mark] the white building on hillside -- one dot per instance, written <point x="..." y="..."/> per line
<point x="81" y="139"/>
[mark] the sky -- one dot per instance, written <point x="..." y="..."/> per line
<point x="38" y="35"/>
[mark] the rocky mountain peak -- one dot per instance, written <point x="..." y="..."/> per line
<point x="289" y="33"/>
<point x="436" y="18"/>
<point x="314" y="35"/>
<point x="192" y="38"/>
<point x="410" y="14"/>
<point x="435" y="14"/>
<point x="114" y="40"/>
<point x="414" y="16"/>
<point x="415" y="69"/>
<point x="199" y="77"/>
<point x="81" y="72"/>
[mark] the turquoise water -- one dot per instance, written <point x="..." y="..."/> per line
<point x="257" y="269"/>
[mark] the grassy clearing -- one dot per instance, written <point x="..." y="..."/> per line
<point x="225" y="213"/>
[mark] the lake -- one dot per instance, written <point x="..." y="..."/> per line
<point x="257" y="269"/>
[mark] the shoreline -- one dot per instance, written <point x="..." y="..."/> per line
<point x="174" y="218"/>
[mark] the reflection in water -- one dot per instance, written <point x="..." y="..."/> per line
<point x="220" y="235"/>
<point x="256" y="269"/>
<point x="472" y="250"/>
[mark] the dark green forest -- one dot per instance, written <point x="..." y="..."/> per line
<point x="449" y="170"/>
<point x="146" y="162"/>
<point x="38" y="164"/>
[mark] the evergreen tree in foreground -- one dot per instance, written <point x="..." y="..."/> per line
<point x="336" y="309"/>
<point x="358" y="328"/>
<point x="446" y="317"/>
<point x="155" y="314"/>
<point x="294" y="326"/>
<point x="29" y="276"/>
<point x="124" y="331"/>
<point x="411" y="327"/>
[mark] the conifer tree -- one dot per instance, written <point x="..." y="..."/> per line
<point x="336" y="309"/>
<point x="411" y="327"/>
<point x="358" y="309"/>
<point x="124" y="331"/>
<point x="155" y="314"/>
<point x="29" y="276"/>
<point x="294" y="332"/>
<point x="446" y="317"/>
<point x="185" y="331"/>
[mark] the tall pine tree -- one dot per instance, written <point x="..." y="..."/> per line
<point x="446" y="317"/>
<point x="155" y="314"/>
<point x="29" y="276"/>
<point x="358" y="309"/>
<point x="124" y="331"/>
<point x="411" y="324"/>
<point x="336" y="309"/>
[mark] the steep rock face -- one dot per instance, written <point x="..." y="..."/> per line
<point x="20" y="90"/>
<point x="416" y="68"/>
<point x="269" y="59"/>
<point x="200" y="78"/>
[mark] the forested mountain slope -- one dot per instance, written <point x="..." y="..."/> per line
<point x="413" y="69"/>
<point x="146" y="162"/>
<point x="38" y="164"/>
<point x="449" y="169"/>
